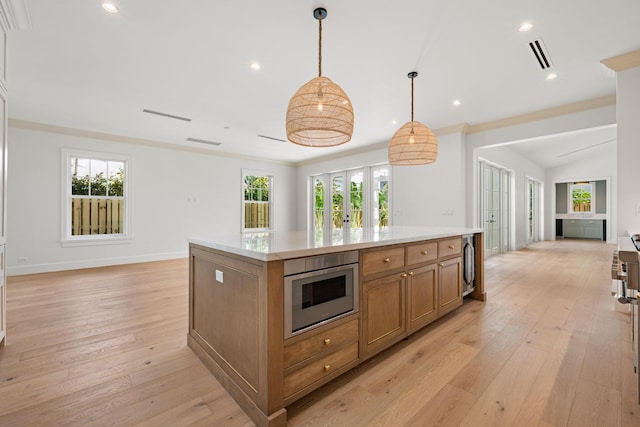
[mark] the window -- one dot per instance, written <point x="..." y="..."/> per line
<point x="582" y="198"/>
<point x="257" y="201"/>
<point x="96" y="185"/>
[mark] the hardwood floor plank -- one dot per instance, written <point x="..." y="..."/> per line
<point x="501" y="403"/>
<point x="595" y="405"/>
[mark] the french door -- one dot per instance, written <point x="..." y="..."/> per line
<point x="346" y="195"/>
<point x="347" y="201"/>
<point x="495" y="210"/>
<point x="533" y="210"/>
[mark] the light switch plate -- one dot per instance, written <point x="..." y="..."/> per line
<point x="219" y="276"/>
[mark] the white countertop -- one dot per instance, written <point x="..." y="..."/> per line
<point x="270" y="246"/>
<point x="581" y="216"/>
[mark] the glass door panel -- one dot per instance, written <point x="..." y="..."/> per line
<point x="356" y="210"/>
<point x="380" y="198"/>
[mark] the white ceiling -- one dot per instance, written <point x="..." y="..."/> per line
<point x="81" y="67"/>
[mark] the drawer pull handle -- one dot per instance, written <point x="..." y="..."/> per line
<point x="451" y="247"/>
<point x="425" y="252"/>
<point x="327" y="341"/>
<point x="441" y="265"/>
<point x="411" y="273"/>
<point x="403" y="275"/>
<point x="387" y="260"/>
<point x="327" y="367"/>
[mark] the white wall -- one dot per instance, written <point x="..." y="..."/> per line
<point x="421" y="195"/>
<point x="522" y="169"/>
<point x="602" y="166"/>
<point x="175" y="195"/>
<point x="628" y="106"/>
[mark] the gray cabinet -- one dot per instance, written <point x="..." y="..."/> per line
<point x="583" y="228"/>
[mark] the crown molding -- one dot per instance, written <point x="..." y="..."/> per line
<point x="623" y="62"/>
<point x="16" y="14"/>
<point x="576" y="107"/>
<point x="43" y="127"/>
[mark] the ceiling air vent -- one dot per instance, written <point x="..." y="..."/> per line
<point x="203" y="141"/>
<point x="272" y="138"/>
<point x="171" y="116"/>
<point x="541" y="54"/>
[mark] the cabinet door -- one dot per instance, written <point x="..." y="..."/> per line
<point x="383" y="312"/>
<point x="593" y="229"/>
<point x="571" y="228"/>
<point x="450" y="285"/>
<point x="422" y="296"/>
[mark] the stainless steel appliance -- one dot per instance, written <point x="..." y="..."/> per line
<point x="318" y="290"/>
<point x="625" y="270"/>
<point x="469" y="265"/>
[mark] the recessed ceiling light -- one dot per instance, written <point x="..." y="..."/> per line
<point x="456" y="102"/>
<point x="525" y="27"/>
<point x="255" y="65"/>
<point x="109" y="6"/>
<point x="551" y="76"/>
<point x="394" y="122"/>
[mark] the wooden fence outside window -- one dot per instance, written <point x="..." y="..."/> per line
<point x="256" y="215"/>
<point x="91" y="216"/>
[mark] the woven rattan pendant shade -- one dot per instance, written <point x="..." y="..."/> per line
<point x="319" y="113"/>
<point x="413" y="143"/>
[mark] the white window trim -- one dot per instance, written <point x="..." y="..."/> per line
<point x="272" y="205"/>
<point x="67" y="240"/>
<point x="570" y="210"/>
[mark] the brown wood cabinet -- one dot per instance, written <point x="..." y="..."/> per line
<point x="236" y="318"/>
<point x="412" y="294"/>
<point x="317" y="356"/>
<point x="422" y="297"/>
<point x="450" y="285"/>
<point x="383" y="312"/>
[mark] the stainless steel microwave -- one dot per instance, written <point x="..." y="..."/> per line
<point x="318" y="290"/>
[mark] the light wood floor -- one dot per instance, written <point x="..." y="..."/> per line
<point x="107" y="346"/>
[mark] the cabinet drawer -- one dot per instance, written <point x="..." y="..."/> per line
<point x="422" y="252"/>
<point x="382" y="260"/>
<point x="325" y="341"/>
<point x="313" y="372"/>
<point x="450" y="247"/>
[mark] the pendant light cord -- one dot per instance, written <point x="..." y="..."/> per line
<point x="412" y="100"/>
<point x="320" y="46"/>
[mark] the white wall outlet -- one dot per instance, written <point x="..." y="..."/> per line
<point x="219" y="276"/>
<point x="447" y="212"/>
<point x="23" y="260"/>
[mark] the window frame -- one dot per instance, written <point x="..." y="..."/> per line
<point x="271" y="176"/>
<point x="69" y="240"/>
<point x="571" y="185"/>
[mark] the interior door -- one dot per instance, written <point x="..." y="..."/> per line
<point x="495" y="207"/>
<point x="533" y="211"/>
<point x="491" y="212"/>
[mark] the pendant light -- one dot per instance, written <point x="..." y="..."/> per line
<point x="413" y="143"/>
<point x="320" y="113"/>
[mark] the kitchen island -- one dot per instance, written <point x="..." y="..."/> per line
<point x="401" y="279"/>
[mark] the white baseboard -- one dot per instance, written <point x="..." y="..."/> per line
<point x="89" y="263"/>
